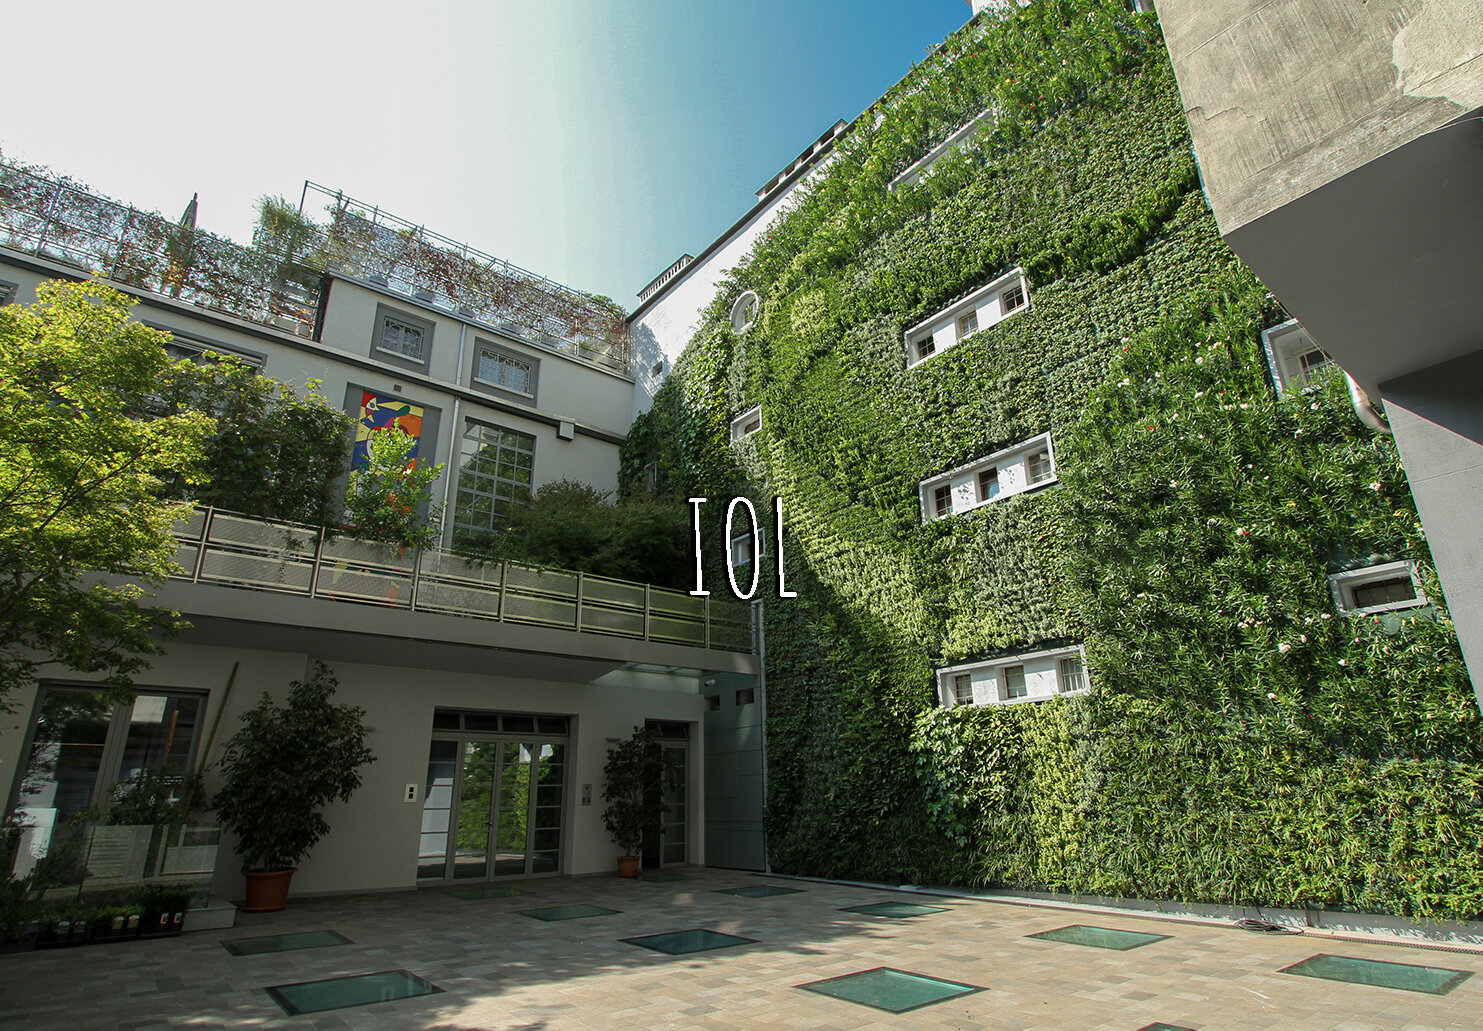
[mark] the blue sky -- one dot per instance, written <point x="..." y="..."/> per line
<point x="593" y="141"/>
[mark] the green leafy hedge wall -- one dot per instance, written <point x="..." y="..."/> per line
<point x="1242" y="743"/>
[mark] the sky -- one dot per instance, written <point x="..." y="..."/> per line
<point x="591" y="141"/>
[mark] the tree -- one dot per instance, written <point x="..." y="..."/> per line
<point x="275" y="454"/>
<point x="390" y="497"/>
<point x="84" y="461"/>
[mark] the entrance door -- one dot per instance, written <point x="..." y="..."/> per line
<point x="493" y="802"/>
<point x="666" y="843"/>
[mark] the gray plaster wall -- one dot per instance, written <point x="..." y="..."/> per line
<point x="1285" y="95"/>
<point x="1437" y="415"/>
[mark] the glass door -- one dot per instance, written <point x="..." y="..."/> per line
<point x="492" y="807"/>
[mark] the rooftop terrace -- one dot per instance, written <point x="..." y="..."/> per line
<point x="275" y="281"/>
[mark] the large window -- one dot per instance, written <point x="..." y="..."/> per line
<point x="1015" y="679"/>
<point x="494" y="474"/>
<point x="984" y="307"/>
<point x="84" y="746"/>
<point x="1025" y="466"/>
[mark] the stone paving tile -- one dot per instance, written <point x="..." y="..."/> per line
<point x="500" y="970"/>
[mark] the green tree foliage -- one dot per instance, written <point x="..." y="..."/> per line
<point x="284" y="764"/>
<point x="81" y="476"/>
<point x="572" y="525"/>
<point x="274" y="454"/>
<point x="390" y="498"/>
<point x="1243" y="742"/>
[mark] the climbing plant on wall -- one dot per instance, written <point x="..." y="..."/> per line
<point x="1243" y="742"/>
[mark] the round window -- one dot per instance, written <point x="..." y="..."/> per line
<point x="744" y="312"/>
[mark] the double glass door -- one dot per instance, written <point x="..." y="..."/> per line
<point x="492" y="808"/>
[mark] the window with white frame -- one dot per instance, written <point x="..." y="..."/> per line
<point x="1294" y="358"/>
<point x="912" y="175"/>
<point x="962" y="689"/>
<point x="744" y="549"/>
<point x="1015" y="679"/>
<point x="744" y="311"/>
<point x="988" y="305"/>
<point x="1383" y="588"/>
<point x="1026" y="466"/>
<point x="402" y="335"/>
<point x="505" y="369"/>
<point x="747" y="423"/>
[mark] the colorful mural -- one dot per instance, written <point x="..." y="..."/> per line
<point x="377" y="413"/>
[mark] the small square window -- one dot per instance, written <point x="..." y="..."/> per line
<point x="988" y="484"/>
<point x="1071" y="675"/>
<point x="401" y="337"/>
<point x="942" y="500"/>
<point x="1382" y="588"/>
<point x="1038" y="467"/>
<point x="742" y="546"/>
<point x="747" y="423"/>
<point x="968" y="324"/>
<point x="1013" y="679"/>
<point x="1012" y="299"/>
<point x="7" y="292"/>
<point x="746" y="696"/>
<point x="963" y="689"/>
<point x="501" y="369"/>
<point x="713" y="702"/>
<point x="1309" y="362"/>
<point x="925" y="348"/>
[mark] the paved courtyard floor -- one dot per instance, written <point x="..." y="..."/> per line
<point x="499" y="968"/>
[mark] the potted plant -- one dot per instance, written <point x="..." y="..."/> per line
<point x="634" y="778"/>
<point x="281" y="767"/>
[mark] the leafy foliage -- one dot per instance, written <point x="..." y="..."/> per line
<point x="274" y="454"/>
<point x="1242" y="743"/>
<point x="81" y="476"/>
<point x="635" y="775"/>
<point x="572" y="525"/>
<point x="283" y="765"/>
<point x="390" y="498"/>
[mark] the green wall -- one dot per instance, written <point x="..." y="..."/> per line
<point x="1242" y="742"/>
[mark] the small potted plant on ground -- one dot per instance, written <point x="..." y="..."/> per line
<point x="634" y="778"/>
<point x="282" y="766"/>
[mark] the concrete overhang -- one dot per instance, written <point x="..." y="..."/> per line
<point x="1382" y="264"/>
<point x="350" y="632"/>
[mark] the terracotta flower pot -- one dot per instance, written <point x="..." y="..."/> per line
<point x="267" y="890"/>
<point x="628" y="866"/>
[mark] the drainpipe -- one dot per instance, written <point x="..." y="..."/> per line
<point x="762" y="685"/>
<point x="1365" y="408"/>
<point x="450" y="465"/>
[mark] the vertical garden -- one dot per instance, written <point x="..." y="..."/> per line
<point x="1243" y="741"/>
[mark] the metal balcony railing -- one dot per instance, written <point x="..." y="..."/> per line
<point x="218" y="547"/>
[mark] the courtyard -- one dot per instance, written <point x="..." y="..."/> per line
<point x="597" y="952"/>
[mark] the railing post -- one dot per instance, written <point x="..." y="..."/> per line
<point x="578" y="627"/>
<point x="707" y="621"/>
<point x="416" y="576"/>
<point x="318" y="563"/>
<point x="201" y="547"/>
<point x="504" y="578"/>
<point x="646" y="612"/>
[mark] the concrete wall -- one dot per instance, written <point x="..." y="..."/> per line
<point x="1286" y="95"/>
<point x="1438" y="423"/>
<point x="372" y="844"/>
<point x="596" y="403"/>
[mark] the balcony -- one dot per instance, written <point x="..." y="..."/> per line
<point x="233" y="551"/>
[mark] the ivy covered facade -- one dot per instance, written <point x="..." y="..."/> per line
<point x="1242" y="740"/>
